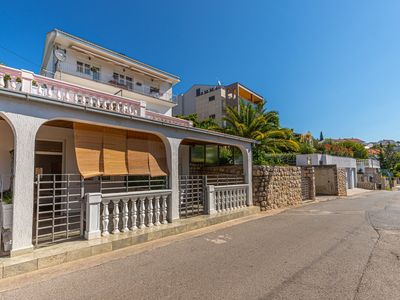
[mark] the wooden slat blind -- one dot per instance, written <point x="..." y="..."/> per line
<point x="89" y="149"/>
<point x="114" y="152"/>
<point x="109" y="151"/>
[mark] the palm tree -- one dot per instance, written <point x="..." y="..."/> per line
<point x="256" y="123"/>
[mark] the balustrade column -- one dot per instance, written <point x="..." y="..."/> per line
<point x="164" y="209"/>
<point x="157" y="208"/>
<point x="150" y="212"/>
<point x="133" y="214"/>
<point x="142" y="214"/>
<point x="105" y="218"/>
<point x="125" y="214"/>
<point x="116" y="216"/>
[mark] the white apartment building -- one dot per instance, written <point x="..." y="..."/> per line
<point x="89" y="149"/>
<point x="210" y="101"/>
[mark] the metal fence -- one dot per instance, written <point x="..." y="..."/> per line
<point x="191" y="195"/>
<point x="59" y="208"/>
<point x="59" y="201"/>
<point x="224" y="179"/>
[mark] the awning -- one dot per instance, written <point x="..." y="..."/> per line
<point x="89" y="149"/>
<point x="109" y="151"/>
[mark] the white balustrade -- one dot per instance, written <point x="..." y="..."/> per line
<point x="133" y="210"/>
<point x="228" y="197"/>
<point x="62" y="91"/>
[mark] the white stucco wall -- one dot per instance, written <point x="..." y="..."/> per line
<point x="323" y="159"/>
<point x="66" y="136"/>
<point x="6" y="145"/>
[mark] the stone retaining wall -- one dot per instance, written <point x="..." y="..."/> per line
<point x="341" y="181"/>
<point x="308" y="183"/>
<point x="276" y="186"/>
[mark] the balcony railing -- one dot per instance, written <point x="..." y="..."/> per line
<point x="61" y="91"/>
<point x="104" y="78"/>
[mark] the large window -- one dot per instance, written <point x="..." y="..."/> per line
<point x="87" y="69"/>
<point x="215" y="155"/>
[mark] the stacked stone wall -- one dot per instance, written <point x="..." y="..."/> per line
<point x="308" y="183"/>
<point x="341" y="180"/>
<point x="276" y="186"/>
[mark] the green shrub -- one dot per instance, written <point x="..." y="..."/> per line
<point x="7" y="197"/>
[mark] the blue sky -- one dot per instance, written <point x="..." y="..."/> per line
<point x="324" y="65"/>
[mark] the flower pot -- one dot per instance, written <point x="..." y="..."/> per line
<point x="6" y="215"/>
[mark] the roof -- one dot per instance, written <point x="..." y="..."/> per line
<point x="52" y="35"/>
<point x="355" y="140"/>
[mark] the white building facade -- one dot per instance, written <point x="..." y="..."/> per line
<point x="89" y="148"/>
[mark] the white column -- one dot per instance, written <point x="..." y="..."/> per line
<point x="210" y="200"/>
<point x="248" y="172"/>
<point x="93" y="202"/>
<point x="173" y="164"/>
<point x="27" y="78"/>
<point x="25" y="129"/>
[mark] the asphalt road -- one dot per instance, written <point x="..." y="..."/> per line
<point x="339" y="249"/>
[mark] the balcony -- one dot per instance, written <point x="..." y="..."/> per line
<point x="61" y="91"/>
<point x="96" y="75"/>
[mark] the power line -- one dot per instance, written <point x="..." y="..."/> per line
<point x="19" y="56"/>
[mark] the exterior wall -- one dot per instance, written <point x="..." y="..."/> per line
<point x="317" y="159"/>
<point x="6" y="145"/>
<point x="28" y="114"/>
<point x="204" y="170"/>
<point x="157" y="105"/>
<point x="66" y="136"/>
<point x="186" y="103"/>
<point x="276" y="186"/>
<point x="308" y="183"/>
<point x="330" y="180"/>
<point x="184" y="160"/>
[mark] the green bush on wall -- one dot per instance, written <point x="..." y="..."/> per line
<point x="7" y="197"/>
<point x="281" y="159"/>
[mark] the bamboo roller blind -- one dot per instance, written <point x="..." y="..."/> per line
<point x="109" y="151"/>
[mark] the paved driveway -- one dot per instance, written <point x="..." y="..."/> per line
<point x="339" y="249"/>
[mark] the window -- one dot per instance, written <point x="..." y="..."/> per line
<point x="79" y="67"/>
<point x="154" y="90"/>
<point x="197" y="154"/>
<point x="212" y="116"/>
<point x="87" y="69"/>
<point x="197" y="92"/>
<point x="95" y="73"/>
<point x="138" y="83"/>
<point x="129" y="83"/>
<point x="212" y="98"/>
<point x="212" y="154"/>
<point x="119" y="79"/>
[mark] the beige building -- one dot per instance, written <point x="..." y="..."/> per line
<point x="210" y="101"/>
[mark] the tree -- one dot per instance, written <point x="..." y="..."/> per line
<point x="358" y="149"/>
<point x="388" y="158"/>
<point x="254" y="122"/>
<point x="321" y="136"/>
<point x="208" y="123"/>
